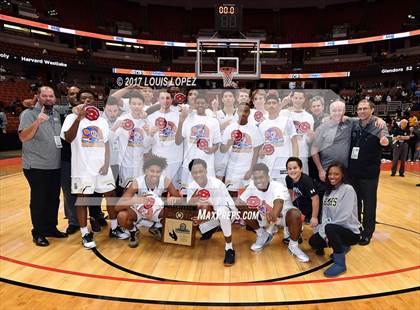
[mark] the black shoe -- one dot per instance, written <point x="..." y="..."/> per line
<point x="392" y="174"/>
<point x="320" y="252"/>
<point x="40" y="241"/>
<point x="402" y="175"/>
<point x="229" y="257"/>
<point x="56" y="234"/>
<point x="208" y="234"/>
<point x="71" y="229"/>
<point x="94" y="224"/>
<point x="364" y="240"/>
<point x="102" y="222"/>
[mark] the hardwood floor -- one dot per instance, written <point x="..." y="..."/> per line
<point x="389" y="264"/>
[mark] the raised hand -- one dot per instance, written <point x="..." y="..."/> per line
<point x="42" y="117"/>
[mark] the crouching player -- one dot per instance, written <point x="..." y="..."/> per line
<point x="272" y="200"/>
<point x="134" y="212"/>
<point x="210" y="191"/>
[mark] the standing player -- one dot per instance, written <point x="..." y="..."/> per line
<point x="242" y="141"/>
<point x="280" y="140"/>
<point x="208" y="190"/>
<point x="272" y="201"/>
<point x="242" y="95"/>
<point x="226" y="116"/>
<point x="147" y="93"/>
<point x="111" y="113"/>
<point x="164" y="126"/>
<point x="133" y="137"/>
<point x="258" y="114"/>
<point x="202" y="138"/>
<point x="90" y="173"/>
<point x="132" y="213"/>
<point x="304" y="124"/>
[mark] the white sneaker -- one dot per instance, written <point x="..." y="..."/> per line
<point x="261" y="242"/>
<point x="119" y="233"/>
<point x="300" y="255"/>
<point x="88" y="242"/>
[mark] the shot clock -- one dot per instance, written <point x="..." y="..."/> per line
<point x="228" y="17"/>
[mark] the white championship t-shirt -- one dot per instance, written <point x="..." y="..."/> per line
<point x="88" y="147"/>
<point x="277" y="146"/>
<point x="164" y="140"/>
<point x="245" y="139"/>
<point x="264" y="201"/>
<point x="200" y="132"/>
<point x="133" y="141"/>
<point x="303" y="121"/>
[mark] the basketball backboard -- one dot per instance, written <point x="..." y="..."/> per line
<point x="241" y="54"/>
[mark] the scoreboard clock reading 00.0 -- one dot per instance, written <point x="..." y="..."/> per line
<point x="228" y="17"/>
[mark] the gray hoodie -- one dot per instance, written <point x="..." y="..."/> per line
<point x="340" y="208"/>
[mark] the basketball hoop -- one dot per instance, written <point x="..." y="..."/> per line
<point x="227" y="75"/>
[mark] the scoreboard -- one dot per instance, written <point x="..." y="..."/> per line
<point x="228" y="17"/>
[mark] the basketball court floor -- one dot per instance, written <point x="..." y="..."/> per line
<point x="385" y="274"/>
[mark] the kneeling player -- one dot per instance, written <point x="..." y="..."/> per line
<point x="136" y="212"/>
<point x="209" y="190"/>
<point x="272" y="201"/>
<point x="147" y="207"/>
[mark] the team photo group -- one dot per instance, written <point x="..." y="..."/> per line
<point x="273" y="161"/>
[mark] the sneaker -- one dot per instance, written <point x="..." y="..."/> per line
<point x="88" y="242"/>
<point x="133" y="241"/>
<point x="287" y="240"/>
<point x="229" y="258"/>
<point x="364" y="240"/>
<point x="118" y="233"/>
<point x="261" y="242"/>
<point x="94" y="224"/>
<point x="156" y="232"/>
<point x="300" y="255"/>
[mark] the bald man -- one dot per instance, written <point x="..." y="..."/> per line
<point x="39" y="130"/>
<point x="332" y="139"/>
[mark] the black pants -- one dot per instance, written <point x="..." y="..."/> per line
<point x="45" y="199"/>
<point x="399" y="153"/>
<point x="366" y="190"/>
<point x="337" y="237"/>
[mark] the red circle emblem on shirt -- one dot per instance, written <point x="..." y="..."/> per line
<point x="236" y="135"/>
<point x="203" y="194"/>
<point x="202" y="144"/>
<point x="128" y="124"/>
<point x="304" y="127"/>
<point x="253" y="202"/>
<point x="258" y="116"/>
<point x="161" y="123"/>
<point x="268" y="149"/>
<point x="92" y="113"/>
